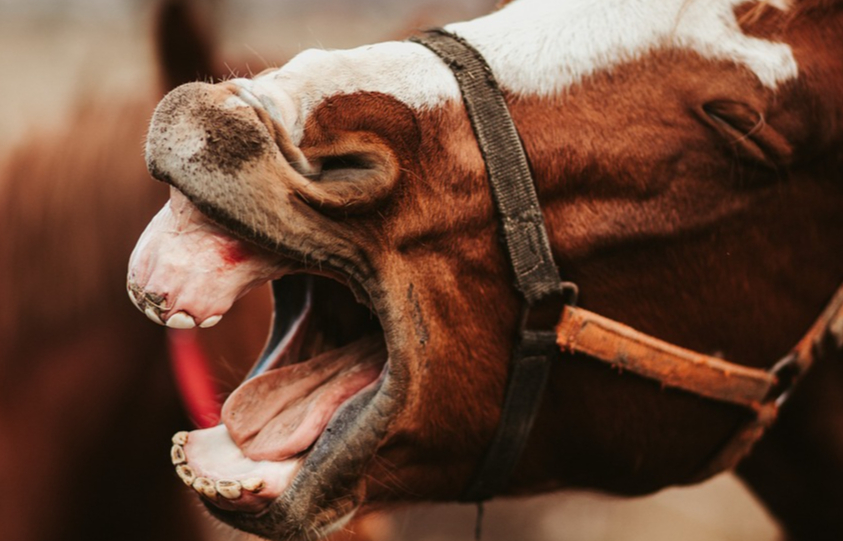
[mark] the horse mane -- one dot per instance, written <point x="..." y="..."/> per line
<point x="72" y="203"/>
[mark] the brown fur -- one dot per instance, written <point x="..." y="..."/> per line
<point x="683" y="197"/>
<point x="797" y="469"/>
<point x="632" y="179"/>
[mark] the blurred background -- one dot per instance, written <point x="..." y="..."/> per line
<point x="87" y="402"/>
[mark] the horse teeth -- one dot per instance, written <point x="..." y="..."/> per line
<point x="177" y="455"/>
<point x="180" y="438"/>
<point x="150" y="313"/>
<point x="133" y="297"/>
<point x="210" y="322"/>
<point x="186" y="474"/>
<point x="204" y="486"/>
<point x="253" y="484"/>
<point x="180" y="320"/>
<point x="230" y="490"/>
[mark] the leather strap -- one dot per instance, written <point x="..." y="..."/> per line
<point x="825" y="335"/>
<point x="526" y="243"/>
<point x="528" y="376"/>
<point x="509" y="174"/>
<point x="581" y="331"/>
<point x="763" y="391"/>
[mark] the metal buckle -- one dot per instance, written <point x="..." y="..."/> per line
<point x="552" y="303"/>
<point x="786" y="371"/>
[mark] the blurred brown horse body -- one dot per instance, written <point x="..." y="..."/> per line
<point x="77" y="373"/>
<point x="86" y="394"/>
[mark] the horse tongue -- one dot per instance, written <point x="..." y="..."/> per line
<point x="280" y="413"/>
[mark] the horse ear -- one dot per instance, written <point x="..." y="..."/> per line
<point x="185" y="44"/>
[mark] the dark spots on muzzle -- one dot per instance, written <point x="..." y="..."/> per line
<point x="192" y="131"/>
<point x="232" y="139"/>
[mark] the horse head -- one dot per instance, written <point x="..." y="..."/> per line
<point x="684" y="154"/>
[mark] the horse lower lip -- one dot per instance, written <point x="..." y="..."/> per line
<point x="214" y="467"/>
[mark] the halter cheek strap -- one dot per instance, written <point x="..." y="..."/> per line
<point x="583" y="332"/>
<point x="526" y="242"/>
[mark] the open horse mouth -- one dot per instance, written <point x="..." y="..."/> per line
<point x="324" y="350"/>
<point x="286" y="431"/>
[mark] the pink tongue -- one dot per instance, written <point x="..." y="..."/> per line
<point x="281" y="413"/>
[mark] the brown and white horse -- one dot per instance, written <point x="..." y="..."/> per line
<point x="687" y="156"/>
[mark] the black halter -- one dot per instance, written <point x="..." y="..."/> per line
<point x="527" y="244"/>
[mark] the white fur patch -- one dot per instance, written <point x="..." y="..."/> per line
<point x="535" y="47"/>
<point x="546" y="51"/>
<point x="407" y="71"/>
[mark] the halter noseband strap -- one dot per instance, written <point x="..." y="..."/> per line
<point x="583" y="332"/>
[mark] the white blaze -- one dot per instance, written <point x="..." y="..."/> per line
<point x="549" y="46"/>
<point x="535" y="48"/>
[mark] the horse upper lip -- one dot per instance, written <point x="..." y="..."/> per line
<point x="186" y="271"/>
